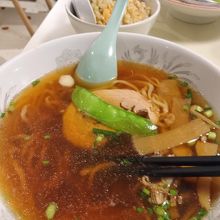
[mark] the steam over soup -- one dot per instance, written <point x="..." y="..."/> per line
<point x="54" y="132"/>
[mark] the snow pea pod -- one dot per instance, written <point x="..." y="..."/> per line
<point x="113" y="117"/>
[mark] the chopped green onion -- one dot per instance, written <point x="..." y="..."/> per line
<point x="165" y="185"/>
<point x="139" y="209"/>
<point x="51" y="210"/>
<point x="35" y="82"/>
<point x="212" y="135"/>
<point x="173" y="192"/>
<point x="106" y="133"/>
<point x="199" y="108"/>
<point x="125" y="162"/>
<point x="27" y="137"/>
<point x="101" y="134"/>
<point x="47" y="136"/>
<point x="166" y="205"/>
<point x="11" y="107"/>
<point x="207" y="108"/>
<point x="172" y="77"/>
<point x="2" y="114"/>
<point x="189" y="94"/>
<point x="201" y="213"/>
<point x="161" y="218"/>
<point x="218" y="122"/>
<point x="166" y="217"/>
<point x="186" y="107"/>
<point x="184" y="83"/>
<point x="150" y="211"/>
<point x="208" y="113"/>
<point x="99" y="138"/>
<point x="159" y="210"/>
<point x="45" y="162"/>
<point x="146" y="191"/>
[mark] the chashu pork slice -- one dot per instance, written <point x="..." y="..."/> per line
<point x="130" y="100"/>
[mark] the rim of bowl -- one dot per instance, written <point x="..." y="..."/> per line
<point x="193" y="6"/>
<point x="154" y="15"/>
<point x="123" y="34"/>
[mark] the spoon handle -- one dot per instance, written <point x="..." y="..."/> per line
<point x="115" y="20"/>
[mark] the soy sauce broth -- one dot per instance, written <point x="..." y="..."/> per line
<point x="39" y="166"/>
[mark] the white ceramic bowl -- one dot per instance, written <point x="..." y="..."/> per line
<point x="142" y="27"/>
<point x="25" y="68"/>
<point x="195" y="14"/>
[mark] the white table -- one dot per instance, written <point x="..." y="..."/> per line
<point x="202" y="39"/>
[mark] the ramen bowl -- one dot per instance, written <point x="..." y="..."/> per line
<point x="28" y="67"/>
<point x="142" y="27"/>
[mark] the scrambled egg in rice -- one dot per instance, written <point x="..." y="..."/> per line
<point x="137" y="10"/>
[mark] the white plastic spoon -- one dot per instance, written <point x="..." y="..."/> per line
<point x="99" y="64"/>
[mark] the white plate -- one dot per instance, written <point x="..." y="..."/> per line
<point x="194" y="14"/>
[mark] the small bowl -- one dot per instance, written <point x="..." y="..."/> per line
<point x="190" y="13"/>
<point x="142" y="27"/>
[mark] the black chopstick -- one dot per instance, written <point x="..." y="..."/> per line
<point x="198" y="171"/>
<point x="178" y="161"/>
<point x="200" y="166"/>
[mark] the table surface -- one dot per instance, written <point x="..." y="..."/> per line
<point x="202" y="39"/>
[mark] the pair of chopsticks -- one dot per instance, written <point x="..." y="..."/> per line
<point x="196" y="166"/>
